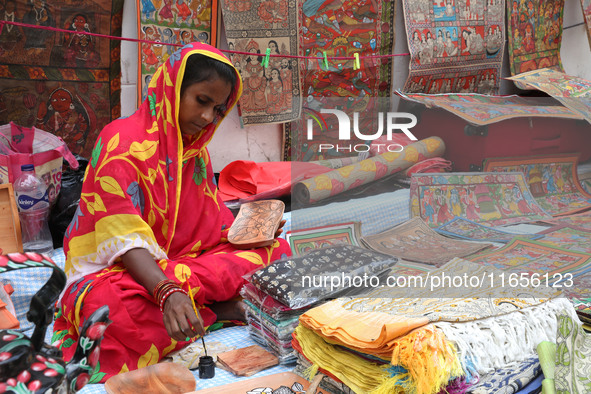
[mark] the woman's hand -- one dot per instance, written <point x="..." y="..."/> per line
<point x="178" y="313"/>
<point x="280" y="228"/>
<point x="180" y="319"/>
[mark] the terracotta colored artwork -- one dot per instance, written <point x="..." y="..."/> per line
<point x="256" y="224"/>
<point x="416" y="241"/>
<point x="534" y="34"/>
<point x="552" y="181"/>
<point x="456" y="46"/>
<point x="167" y="25"/>
<point x="67" y="83"/>
<point x="331" y="31"/>
<point x="483" y="109"/>
<point x="272" y="92"/>
<point x="246" y="361"/>
<point x="495" y="199"/>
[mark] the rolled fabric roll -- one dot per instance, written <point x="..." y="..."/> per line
<point x="338" y="162"/>
<point x="349" y="177"/>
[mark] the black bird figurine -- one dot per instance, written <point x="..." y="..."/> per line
<point x="28" y="365"/>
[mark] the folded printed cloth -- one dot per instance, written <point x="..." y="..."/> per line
<point x="429" y="358"/>
<point x="371" y="323"/>
<point x="301" y="281"/>
<point x="267" y="303"/>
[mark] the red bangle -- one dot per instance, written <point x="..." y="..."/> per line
<point x="167" y="294"/>
<point x="164" y="289"/>
<point x="160" y="285"/>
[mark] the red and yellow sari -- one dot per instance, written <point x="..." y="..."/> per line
<point x="144" y="188"/>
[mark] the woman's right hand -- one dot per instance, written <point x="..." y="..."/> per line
<point x="180" y="319"/>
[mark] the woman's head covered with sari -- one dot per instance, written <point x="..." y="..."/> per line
<point x="131" y="196"/>
<point x="180" y="71"/>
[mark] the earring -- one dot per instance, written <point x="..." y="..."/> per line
<point x="74" y="26"/>
<point x="71" y="105"/>
<point x="50" y="107"/>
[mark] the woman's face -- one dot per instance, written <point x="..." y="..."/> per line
<point x="60" y="100"/>
<point x="79" y="22"/>
<point x="201" y="104"/>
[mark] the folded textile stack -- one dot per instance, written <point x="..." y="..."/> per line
<point x="271" y="323"/>
<point x="441" y="340"/>
<point x="277" y="295"/>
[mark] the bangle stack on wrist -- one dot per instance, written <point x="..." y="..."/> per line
<point x="164" y="289"/>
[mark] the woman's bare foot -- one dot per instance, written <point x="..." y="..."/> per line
<point x="229" y="310"/>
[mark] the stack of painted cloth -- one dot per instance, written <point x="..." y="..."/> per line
<point x="444" y="339"/>
<point x="275" y="296"/>
<point x="270" y="322"/>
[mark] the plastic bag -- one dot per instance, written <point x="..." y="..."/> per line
<point x="22" y="145"/>
<point x="67" y="201"/>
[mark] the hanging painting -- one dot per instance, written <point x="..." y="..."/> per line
<point x="535" y="34"/>
<point x="165" y="26"/>
<point x="272" y="91"/>
<point x="456" y="46"/>
<point x="65" y="82"/>
<point x="332" y="34"/>
<point x="586" y="5"/>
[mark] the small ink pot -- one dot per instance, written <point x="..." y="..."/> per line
<point x="206" y="367"/>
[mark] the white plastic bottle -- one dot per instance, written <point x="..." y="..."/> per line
<point x="33" y="205"/>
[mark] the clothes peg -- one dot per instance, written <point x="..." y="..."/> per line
<point x="266" y="59"/>
<point x="356" y="63"/>
<point x="325" y="61"/>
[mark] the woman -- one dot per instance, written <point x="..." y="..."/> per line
<point x="150" y="227"/>
<point x="473" y="41"/>
<point x="256" y="83"/>
<point x="274" y="93"/>
<point x="80" y="47"/>
<point x="64" y="115"/>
